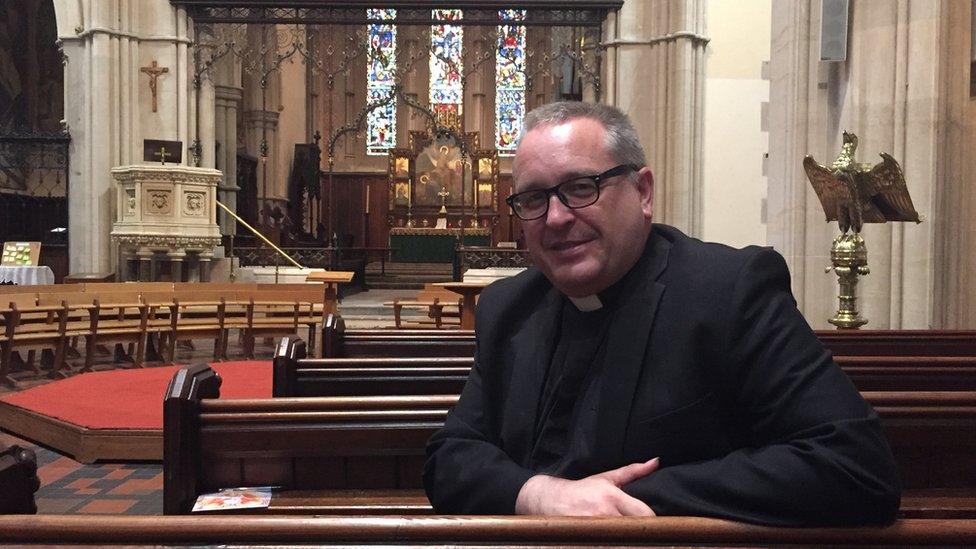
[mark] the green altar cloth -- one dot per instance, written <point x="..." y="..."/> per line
<point x="427" y="245"/>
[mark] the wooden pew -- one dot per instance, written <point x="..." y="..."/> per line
<point x="339" y="343"/>
<point x="899" y="342"/>
<point x="468" y="531"/>
<point x="930" y="434"/>
<point x="910" y="373"/>
<point x="318" y="451"/>
<point x="294" y="375"/>
<point x="18" y="481"/>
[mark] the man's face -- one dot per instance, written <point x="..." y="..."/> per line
<point x="582" y="251"/>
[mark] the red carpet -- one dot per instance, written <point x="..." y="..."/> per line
<point x="132" y="399"/>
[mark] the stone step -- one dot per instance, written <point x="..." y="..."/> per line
<point x="396" y="269"/>
<point x="396" y="285"/>
<point x="437" y="277"/>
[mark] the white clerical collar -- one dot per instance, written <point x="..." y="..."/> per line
<point x="587" y="303"/>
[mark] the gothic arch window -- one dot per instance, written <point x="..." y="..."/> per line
<point x="509" y="82"/>
<point x="446" y="65"/>
<point x="381" y="121"/>
<point x="446" y="68"/>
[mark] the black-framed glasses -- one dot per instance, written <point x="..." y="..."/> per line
<point x="575" y="193"/>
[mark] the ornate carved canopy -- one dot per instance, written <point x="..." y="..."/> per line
<point x="411" y="12"/>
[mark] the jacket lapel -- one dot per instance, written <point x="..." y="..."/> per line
<point x="626" y="348"/>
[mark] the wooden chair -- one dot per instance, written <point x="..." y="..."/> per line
<point x="199" y="314"/>
<point x="120" y="318"/>
<point x="268" y="317"/>
<point x="442" y="307"/>
<point x="41" y="328"/>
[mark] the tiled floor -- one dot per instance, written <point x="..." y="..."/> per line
<point x="137" y="488"/>
<point x="71" y="487"/>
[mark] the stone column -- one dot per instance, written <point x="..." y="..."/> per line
<point x="176" y="258"/>
<point x="145" y="256"/>
<point x="204" y="262"/>
<point x="655" y="73"/>
<point x="952" y="219"/>
<point x="207" y="123"/>
<point x="228" y="99"/>
<point x="263" y="125"/>
<point x="108" y="106"/>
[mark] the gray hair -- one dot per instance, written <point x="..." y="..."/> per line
<point x="622" y="141"/>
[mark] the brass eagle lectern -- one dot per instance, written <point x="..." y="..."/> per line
<point x="852" y="194"/>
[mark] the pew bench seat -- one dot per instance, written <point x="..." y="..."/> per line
<point x="941" y="503"/>
<point x="339" y="502"/>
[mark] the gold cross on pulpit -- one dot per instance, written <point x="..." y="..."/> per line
<point x="154" y="70"/>
<point x="162" y="154"/>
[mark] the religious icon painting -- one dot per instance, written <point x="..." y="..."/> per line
<point x="401" y="193"/>
<point x="484" y="169"/>
<point x="401" y="167"/>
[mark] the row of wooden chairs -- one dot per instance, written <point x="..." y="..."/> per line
<point x="144" y="316"/>
<point x="442" y="307"/>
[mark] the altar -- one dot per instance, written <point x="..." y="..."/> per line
<point x="430" y="245"/>
<point x="443" y="192"/>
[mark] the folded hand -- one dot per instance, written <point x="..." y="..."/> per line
<point x="595" y="495"/>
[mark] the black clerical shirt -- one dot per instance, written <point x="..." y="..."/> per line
<point x="566" y="420"/>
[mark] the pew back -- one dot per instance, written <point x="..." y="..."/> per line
<point x="899" y="342"/>
<point x="339" y="343"/>
<point x="297" y="376"/>
<point x="310" y="444"/>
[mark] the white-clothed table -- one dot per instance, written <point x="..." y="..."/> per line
<point x="27" y="276"/>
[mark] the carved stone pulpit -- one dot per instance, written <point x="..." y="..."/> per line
<point x="168" y="210"/>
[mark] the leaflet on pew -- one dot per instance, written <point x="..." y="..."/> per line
<point x="234" y="498"/>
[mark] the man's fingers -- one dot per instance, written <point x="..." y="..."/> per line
<point x="629" y="473"/>
<point x="632" y="507"/>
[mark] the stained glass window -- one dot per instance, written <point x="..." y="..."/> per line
<point x="509" y="82"/>
<point x="381" y="121"/>
<point x="446" y="91"/>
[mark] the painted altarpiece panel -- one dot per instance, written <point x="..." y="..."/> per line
<point x="435" y="171"/>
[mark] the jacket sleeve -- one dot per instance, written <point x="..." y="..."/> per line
<point x="467" y="472"/>
<point x="816" y="454"/>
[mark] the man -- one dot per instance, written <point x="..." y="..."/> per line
<point x="637" y="371"/>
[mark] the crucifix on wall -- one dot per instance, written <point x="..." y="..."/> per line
<point x="154" y="70"/>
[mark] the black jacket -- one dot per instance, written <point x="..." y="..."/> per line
<point x="709" y="366"/>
